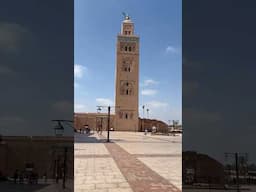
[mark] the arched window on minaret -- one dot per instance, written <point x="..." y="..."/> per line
<point x="126" y="116"/>
<point x="126" y="88"/>
<point x="130" y="49"/>
<point x="126" y="66"/>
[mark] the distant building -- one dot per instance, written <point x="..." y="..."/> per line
<point x="200" y="168"/>
<point x="39" y="154"/>
<point x="96" y="121"/>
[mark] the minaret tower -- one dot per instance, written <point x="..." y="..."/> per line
<point x="127" y="78"/>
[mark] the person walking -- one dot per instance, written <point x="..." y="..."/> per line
<point x="146" y="131"/>
<point x="16" y="175"/>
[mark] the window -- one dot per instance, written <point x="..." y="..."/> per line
<point x="129" y="69"/>
<point x="125" y="48"/>
<point x="126" y="116"/>
<point x="130" y="49"/>
<point x="127" y="92"/>
<point x="127" y="84"/>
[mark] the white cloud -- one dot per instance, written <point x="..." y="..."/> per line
<point x="11" y="120"/>
<point x="171" y="49"/>
<point x="189" y="87"/>
<point x="76" y="85"/>
<point x="202" y="116"/>
<point x="79" y="70"/>
<point x="79" y="108"/>
<point x="161" y="111"/>
<point x="12" y="36"/>
<point x="148" y="92"/>
<point x="63" y="106"/>
<point x="4" y="70"/>
<point x="104" y="101"/>
<point x="157" y="104"/>
<point x="149" y="82"/>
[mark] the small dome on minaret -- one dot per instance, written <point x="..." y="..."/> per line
<point x="127" y="25"/>
<point x="127" y="21"/>
<point x="127" y="18"/>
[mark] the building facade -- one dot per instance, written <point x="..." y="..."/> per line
<point x="127" y="78"/>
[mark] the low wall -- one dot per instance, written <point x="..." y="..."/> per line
<point x="46" y="154"/>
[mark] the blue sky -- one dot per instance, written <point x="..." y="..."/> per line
<point x="158" y="24"/>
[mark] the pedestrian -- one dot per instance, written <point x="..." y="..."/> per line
<point x="45" y="177"/>
<point x="15" y="175"/>
<point x="146" y="131"/>
<point x="21" y="178"/>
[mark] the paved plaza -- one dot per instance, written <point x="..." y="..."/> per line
<point x="131" y="162"/>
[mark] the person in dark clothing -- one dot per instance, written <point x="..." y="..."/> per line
<point x="16" y="175"/>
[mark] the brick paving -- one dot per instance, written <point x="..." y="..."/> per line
<point x="127" y="164"/>
<point x="140" y="177"/>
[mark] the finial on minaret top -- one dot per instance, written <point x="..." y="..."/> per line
<point x="127" y="25"/>
<point x="126" y="16"/>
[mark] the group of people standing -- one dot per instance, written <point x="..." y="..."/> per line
<point x="25" y="177"/>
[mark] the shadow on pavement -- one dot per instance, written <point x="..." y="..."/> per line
<point x="12" y="187"/>
<point x="87" y="138"/>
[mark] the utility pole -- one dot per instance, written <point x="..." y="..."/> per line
<point x="143" y="107"/>
<point x="236" y="156"/>
<point x="108" y="126"/>
<point x="108" y="122"/>
<point x="237" y="171"/>
<point x="60" y="127"/>
<point x="65" y="167"/>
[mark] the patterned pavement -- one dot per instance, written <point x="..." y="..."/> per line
<point x="132" y="162"/>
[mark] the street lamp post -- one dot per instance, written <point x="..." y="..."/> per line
<point x="108" y="126"/>
<point x="65" y="167"/>
<point x="148" y="113"/>
<point x="108" y="122"/>
<point x="236" y="156"/>
<point x="143" y="107"/>
<point x="59" y="130"/>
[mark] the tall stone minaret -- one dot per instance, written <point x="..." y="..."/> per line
<point x="127" y="78"/>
